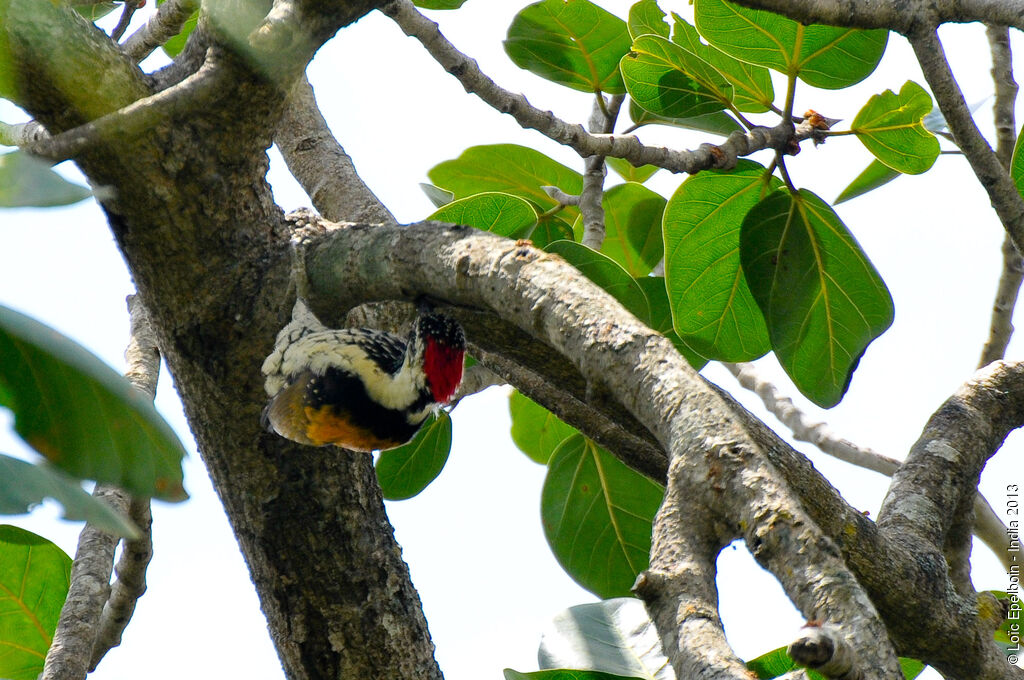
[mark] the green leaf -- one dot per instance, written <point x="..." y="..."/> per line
<point x="606" y="273"/>
<point x="564" y="674"/>
<point x="821" y="298"/>
<point x="597" y="516"/>
<point x="823" y="56"/>
<point x="632" y="222"/>
<point x="751" y="85"/>
<point x="26" y="181"/>
<point x="96" y="10"/>
<point x="571" y="42"/>
<point x="614" y="636"/>
<point x="405" y="471"/>
<point x="439" y="4"/>
<point x="645" y="17"/>
<point x="875" y="175"/>
<point x="777" y="662"/>
<point x="176" y="44"/>
<point x="535" y="430"/>
<point x="911" y="668"/>
<point x="630" y="172"/>
<point x="23" y="485"/>
<point x="498" y="213"/>
<point x="890" y="127"/>
<point x="438" y="196"/>
<point x="658" y="77"/>
<point x="510" y="169"/>
<point x="712" y="308"/>
<point x="34" y="579"/>
<point x="717" y="123"/>
<point x="661" y="318"/>
<point x="550" y="229"/>
<point x="81" y="415"/>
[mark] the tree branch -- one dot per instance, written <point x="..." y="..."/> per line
<point x="944" y="464"/>
<point x="905" y="17"/>
<point x="320" y="164"/>
<point x="1005" y="198"/>
<point x="602" y="121"/>
<point x="987" y="524"/>
<point x="466" y="70"/>
<point x="1001" y="327"/>
<point x="143" y="371"/>
<point x="80" y="619"/>
<point x="71" y="649"/>
<point x="165" y="23"/>
<point x="192" y="93"/>
<point x="553" y="303"/>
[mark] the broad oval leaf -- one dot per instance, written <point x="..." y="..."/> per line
<point x="777" y="662"/>
<point x="751" y="85"/>
<point x="407" y="470"/>
<point x="24" y="485"/>
<point x="614" y="635"/>
<point x="26" y="181"/>
<point x="174" y="45"/>
<point x="668" y="81"/>
<point x="535" y="430"/>
<point x="821" y="297"/>
<point x="436" y="195"/>
<point x="823" y="56"/>
<point x="82" y="416"/>
<point x="95" y="11"/>
<point x="630" y="172"/>
<point x="645" y="17"/>
<point x="510" y="169"/>
<point x="597" y="516"/>
<point x="1017" y="164"/>
<point x="661" y="318"/>
<point x="498" y="213"/>
<point x="439" y="4"/>
<point x="571" y="42"/>
<point x="890" y="126"/>
<point x="875" y="175"/>
<point x="717" y="123"/>
<point x="606" y="273"/>
<point x="549" y="229"/>
<point x="712" y="308"/>
<point x="632" y="222"/>
<point x="34" y="579"/>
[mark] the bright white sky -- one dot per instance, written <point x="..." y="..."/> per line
<point x="473" y="539"/>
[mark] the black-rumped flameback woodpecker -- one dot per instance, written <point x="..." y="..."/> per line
<point x="360" y="388"/>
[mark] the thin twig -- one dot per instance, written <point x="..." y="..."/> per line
<point x="71" y="649"/>
<point x="22" y="134"/>
<point x="126" y="17"/>
<point x="987" y="525"/>
<point x="991" y="174"/>
<point x="1001" y="326"/>
<point x="143" y="371"/>
<point x="130" y="584"/>
<point x="628" y="147"/>
<point x="83" y="618"/>
<point x="161" y="27"/>
<point x="602" y="121"/>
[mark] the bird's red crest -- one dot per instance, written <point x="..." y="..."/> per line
<point x="442" y="365"/>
